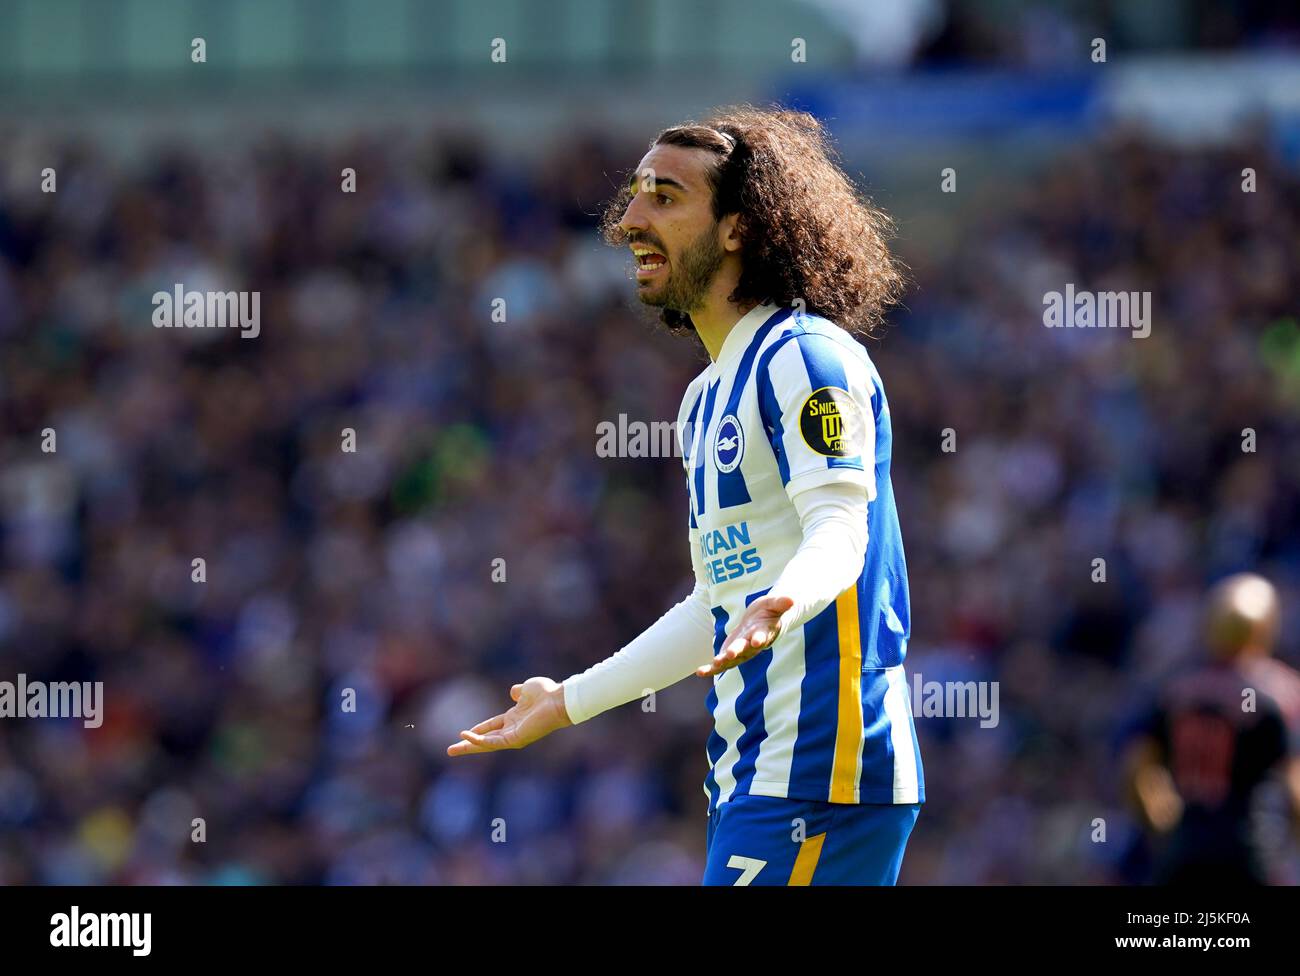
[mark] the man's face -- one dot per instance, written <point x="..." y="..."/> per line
<point x="670" y="228"/>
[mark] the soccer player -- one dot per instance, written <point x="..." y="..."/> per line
<point x="1218" y="733"/>
<point x="747" y="234"/>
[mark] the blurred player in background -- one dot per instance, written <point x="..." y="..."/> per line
<point x="747" y="234"/>
<point x="1217" y="734"/>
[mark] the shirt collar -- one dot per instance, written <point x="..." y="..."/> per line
<point x="742" y="332"/>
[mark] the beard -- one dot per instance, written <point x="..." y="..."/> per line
<point x="690" y="276"/>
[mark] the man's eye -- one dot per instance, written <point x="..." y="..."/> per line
<point x="663" y="198"/>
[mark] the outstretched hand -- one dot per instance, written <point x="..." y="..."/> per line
<point x="538" y="711"/>
<point x="759" y="626"/>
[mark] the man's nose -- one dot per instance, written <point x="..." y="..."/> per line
<point x="632" y="216"/>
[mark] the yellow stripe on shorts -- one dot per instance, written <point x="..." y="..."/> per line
<point x="806" y="863"/>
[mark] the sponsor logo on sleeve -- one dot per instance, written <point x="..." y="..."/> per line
<point x="832" y="423"/>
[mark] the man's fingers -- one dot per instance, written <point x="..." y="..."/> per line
<point x="727" y="659"/>
<point x="474" y="740"/>
<point x="713" y="667"/>
<point x="731" y="662"/>
<point x="728" y="654"/>
<point x="746" y="641"/>
<point x="464" y="748"/>
<point x="485" y="743"/>
<point x="490" y="725"/>
<point x="757" y="637"/>
<point x="515" y="692"/>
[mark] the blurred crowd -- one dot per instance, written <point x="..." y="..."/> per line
<point x="459" y="314"/>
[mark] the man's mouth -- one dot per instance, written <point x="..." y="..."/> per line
<point x="649" y="262"/>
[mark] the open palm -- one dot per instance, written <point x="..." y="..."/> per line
<point x="756" y="630"/>
<point x="538" y="711"/>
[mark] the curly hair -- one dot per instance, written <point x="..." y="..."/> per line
<point x="807" y="233"/>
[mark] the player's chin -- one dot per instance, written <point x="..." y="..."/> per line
<point x="655" y="296"/>
<point x="652" y="280"/>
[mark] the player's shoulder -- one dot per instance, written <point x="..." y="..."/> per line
<point x="811" y="334"/>
<point x="813" y="351"/>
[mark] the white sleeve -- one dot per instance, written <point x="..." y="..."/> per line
<point x="833" y="518"/>
<point x="667" y="651"/>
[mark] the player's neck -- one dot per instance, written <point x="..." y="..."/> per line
<point x="719" y="315"/>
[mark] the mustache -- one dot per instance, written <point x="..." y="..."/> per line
<point x="648" y="242"/>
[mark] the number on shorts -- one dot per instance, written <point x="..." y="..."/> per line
<point x="749" y="868"/>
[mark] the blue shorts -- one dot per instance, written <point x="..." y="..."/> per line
<point x="767" y="840"/>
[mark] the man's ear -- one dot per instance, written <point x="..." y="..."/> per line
<point x="729" y="229"/>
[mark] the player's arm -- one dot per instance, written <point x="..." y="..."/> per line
<point x="668" y="650"/>
<point x="830" y="484"/>
<point x="1150" y="784"/>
